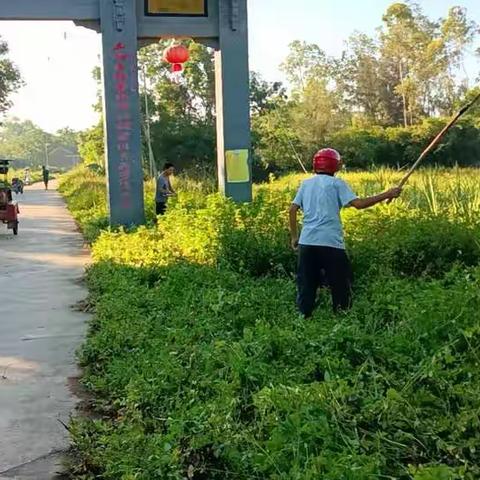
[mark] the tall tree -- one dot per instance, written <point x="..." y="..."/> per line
<point x="457" y="32"/>
<point x="275" y="144"/>
<point x="264" y="96"/>
<point x="191" y="93"/>
<point x="66" y="137"/>
<point x="305" y="61"/>
<point x="319" y="103"/>
<point x="318" y="112"/>
<point x="10" y="79"/>
<point x="359" y="79"/>
<point x="404" y="38"/>
<point x="424" y="55"/>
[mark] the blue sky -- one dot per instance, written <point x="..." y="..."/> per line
<point x="56" y="58"/>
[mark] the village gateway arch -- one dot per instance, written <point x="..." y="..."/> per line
<point x="127" y="24"/>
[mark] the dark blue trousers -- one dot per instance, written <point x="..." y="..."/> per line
<point x="320" y="265"/>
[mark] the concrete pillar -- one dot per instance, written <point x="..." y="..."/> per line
<point x="233" y="102"/>
<point x="122" y="111"/>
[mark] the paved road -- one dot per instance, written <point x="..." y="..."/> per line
<point x="40" y="271"/>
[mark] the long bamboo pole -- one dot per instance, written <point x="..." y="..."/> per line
<point x="437" y="139"/>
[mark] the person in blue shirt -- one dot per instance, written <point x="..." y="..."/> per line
<point x="164" y="189"/>
<point x="321" y="247"/>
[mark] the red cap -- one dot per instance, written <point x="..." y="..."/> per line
<point x="327" y="160"/>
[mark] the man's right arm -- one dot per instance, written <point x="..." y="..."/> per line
<point x="292" y="214"/>
<point x="294" y="208"/>
<point x="362" y="203"/>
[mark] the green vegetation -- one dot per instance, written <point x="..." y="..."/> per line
<point x="10" y="79"/>
<point x="27" y="143"/>
<point x="196" y="359"/>
<point x="200" y="367"/>
<point x="86" y="193"/>
<point x="379" y="102"/>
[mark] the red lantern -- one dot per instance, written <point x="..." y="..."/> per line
<point x="176" y="55"/>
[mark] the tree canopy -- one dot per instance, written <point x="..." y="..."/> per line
<point x="10" y="79"/>
<point x="410" y="72"/>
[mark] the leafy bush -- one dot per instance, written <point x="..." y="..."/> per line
<point x="213" y="372"/>
<point x="201" y="368"/>
<point x="86" y="194"/>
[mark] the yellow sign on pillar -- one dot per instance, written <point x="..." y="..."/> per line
<point x="238" y="169"/>
<point x="176" y="7"/>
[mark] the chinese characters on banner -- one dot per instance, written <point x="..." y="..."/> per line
<point x="123" y="120"/>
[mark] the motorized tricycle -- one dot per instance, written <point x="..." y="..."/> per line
<point x="8" y="208"/>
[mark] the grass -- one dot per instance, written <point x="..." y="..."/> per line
<point x="201" y="368"/>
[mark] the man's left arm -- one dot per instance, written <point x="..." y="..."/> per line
<point x="293" y="212"/>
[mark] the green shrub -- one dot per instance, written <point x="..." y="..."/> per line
<point x="85" y="192"/>
<point x="201" y="368"/>
<point x="213" y="372"/>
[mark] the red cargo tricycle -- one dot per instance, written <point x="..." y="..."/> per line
<point x="8" y="208"/>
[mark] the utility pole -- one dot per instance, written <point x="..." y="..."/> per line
<point x="46" y="154"/>
<point x="151" y="156"/>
